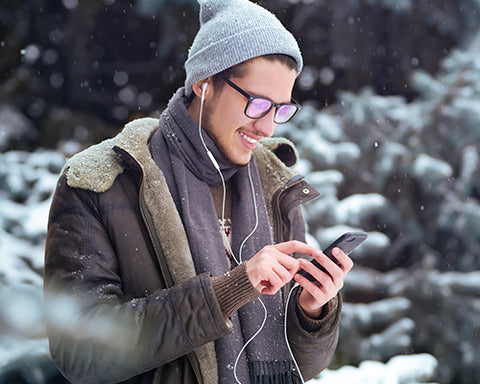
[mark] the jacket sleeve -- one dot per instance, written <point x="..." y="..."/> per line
<point x="96" y="333"/>
<point x="313" y="350"/>
<point x="313" y="342"/>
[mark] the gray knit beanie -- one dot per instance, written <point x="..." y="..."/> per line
<point x="231" y="32"/>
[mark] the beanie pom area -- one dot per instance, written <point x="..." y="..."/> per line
<point x="232" y="32"/>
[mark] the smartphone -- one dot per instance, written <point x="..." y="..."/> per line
<point x="347" y="243"/>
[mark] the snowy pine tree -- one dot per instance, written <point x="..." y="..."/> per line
<point x="408" y="173"/>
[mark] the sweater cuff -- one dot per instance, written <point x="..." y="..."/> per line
<point x="234" y="290"/>
<point x="326" y="320"/>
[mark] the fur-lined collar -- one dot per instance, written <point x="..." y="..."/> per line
<point x="97" y="167"/>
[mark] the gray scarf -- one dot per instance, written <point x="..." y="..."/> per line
<point x="177" y="149"/>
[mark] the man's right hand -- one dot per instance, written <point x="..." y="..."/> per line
<point x="273" y="266"/>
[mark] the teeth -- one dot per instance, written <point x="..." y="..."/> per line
<point x="249" y="139"/>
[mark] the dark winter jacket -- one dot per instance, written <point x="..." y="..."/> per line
<point x="117" y="245"/>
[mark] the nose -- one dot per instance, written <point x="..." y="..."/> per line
<point x="265" y="125"/>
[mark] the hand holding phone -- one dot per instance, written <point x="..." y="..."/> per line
<point x="347" y="243"/>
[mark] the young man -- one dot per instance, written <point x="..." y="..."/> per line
<point x="167" y="235"/>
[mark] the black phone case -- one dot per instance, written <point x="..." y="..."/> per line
<point x="347" y="243"/>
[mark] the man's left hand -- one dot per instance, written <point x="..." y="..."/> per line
<point x="326" y="285"/>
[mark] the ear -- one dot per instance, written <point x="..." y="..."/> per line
<point x="198" y="87"/>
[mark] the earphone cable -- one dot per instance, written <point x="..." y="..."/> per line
<point x="287" y="304"/>
<point x="200" y="118"/>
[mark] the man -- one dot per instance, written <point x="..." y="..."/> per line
<point x="167" y="235"/>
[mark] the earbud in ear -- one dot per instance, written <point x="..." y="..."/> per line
<point x="204" y="86"/>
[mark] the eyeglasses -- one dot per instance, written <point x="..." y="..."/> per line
<point x="258" y="107"/>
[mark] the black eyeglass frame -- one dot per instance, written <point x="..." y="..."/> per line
<point x="272" y="103"/>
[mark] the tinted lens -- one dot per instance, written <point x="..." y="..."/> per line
<point x="285" y="113"/>
<point x="258" y="107"/>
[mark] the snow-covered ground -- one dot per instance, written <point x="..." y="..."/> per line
<point x="398" y="370"/>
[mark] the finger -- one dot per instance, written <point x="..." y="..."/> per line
<point x="283" y="270"/>
<point x="289" y="265"/>
<point x="321" y="290"/>
<point x="327" y="267"/>
<point x="285" y="260"/>
<point x="346" y="263"/>
<point x="271" y="285"/>
<point x="272" y="274"/>
<point x="285" y="274"/>
<point x="263" y="287"/>
<point x="294" y="246"/>
<point x="317" y="291"/>
<point x="339" y="260"/>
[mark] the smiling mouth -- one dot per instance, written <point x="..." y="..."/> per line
<point x="248" y="138"/>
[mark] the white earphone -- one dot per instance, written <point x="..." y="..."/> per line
<point x="210" y="155"/>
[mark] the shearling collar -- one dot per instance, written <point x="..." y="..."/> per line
<point x="97" y="167"/>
